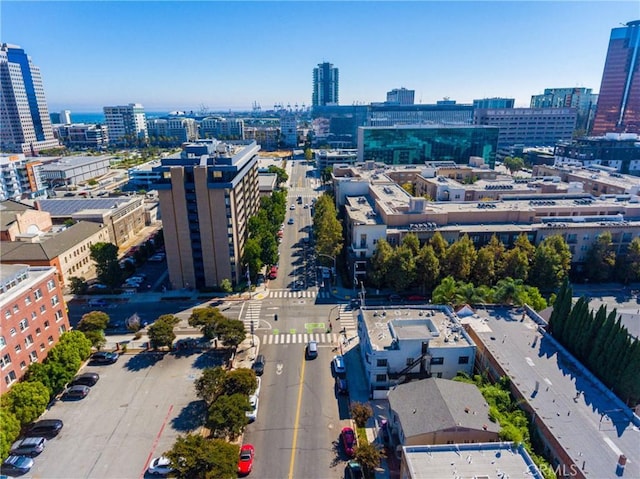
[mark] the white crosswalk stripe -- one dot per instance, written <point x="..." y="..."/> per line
<point x="347" y="321"/>
<point x="252" y="315"/>
<point x="287" y="293"/>
<point x="285" y="338"/>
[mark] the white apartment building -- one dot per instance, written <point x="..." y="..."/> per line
<point x="126" y="123"/>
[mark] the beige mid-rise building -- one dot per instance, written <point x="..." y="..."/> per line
<point x="207" y="194"/>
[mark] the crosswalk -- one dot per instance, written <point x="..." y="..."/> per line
<point x="252" y="315"/>
<point x="346" y="320"/>
<point x="287" y="293"/>
<point x="301" y="338"/>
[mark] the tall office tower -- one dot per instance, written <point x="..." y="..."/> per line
<point x="25" y="126"/>
<point x="579" y="98"/>
<point x="401" y="96"/>
<point x="618" y="109"/>
<point x="325" y="85"/>
<point x="126" y="123"/>
<point x="495" y="102"/>
<point x="207" y="194"/>
<point x="289" y="129"/>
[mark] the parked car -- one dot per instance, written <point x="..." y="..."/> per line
<point x="348" y="441"/>
<point x="312" y="350"/>
<point x="245" y="463"/>
<point x="47" y="428"/>
<point x="258" y="365"/>
<point x="353" y="470"/>
<point x="339" y="367"/>
<point x="76" y="392"/>
<point x="395" y="297"/>
<point x="16" y="465"/>
<point x="342" y="386"/>
<point x="85" y="379"/>
<point x="416" y="297"/>
<point x="290" y="221"/>
<point x="160" y="466"/>
<point x="273" y="272"/>
<point x="29" y="446"/>
<point x="104" y="357"/>
<point x="254" y="400"/>
<point x="292" y="207"/>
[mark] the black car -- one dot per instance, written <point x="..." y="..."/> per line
<point x="85" y="379"/>
<point x="341" y="385"/>
<point x="258" y="365"/>
<point x="104" y="357"/>
<point x="45" y="428"/>
<point x="76" y="392"/>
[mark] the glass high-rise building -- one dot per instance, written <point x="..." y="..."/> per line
<point x="414" y="145"/>
<point x="25" y="125"/>
<point x="325" y="85"/>
<point x="618" y="109"/>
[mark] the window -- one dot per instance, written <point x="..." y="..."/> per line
<point x="50" y="339"/>
<point x="51" y="284"/>
<point x="28" y="341"/>
<point x="409" y="361"/>
<point x="34" y="315"/>
<point x="24" y="324"/>
<point x="13" y="331"/>
<point x="27" y="300"/>
<point x="33" y="356"/>
<point x="58" y="315"/>
<point x="3" y="343"/>
<point x="463" y="360"/>
<point x="46" y="325"/>
<point x="62" y="329"/>
<point x="54" y="300"/>
<point x="18" y="348"/>
<point x="41" y="346"/>
<point x="23" y="365"/>
<point x="7" y="313"/>
<point x="38" y="294"/>
<point x="9" y="378"/>
<point x="15" y="308"/>
<point x="6" y="360"/>
<point x="437" y="360"/>
<point x="381" y="363"/>
<point x="38" y="331"/>
<point x="380" y="378"/>
<point x="43" y="309"/>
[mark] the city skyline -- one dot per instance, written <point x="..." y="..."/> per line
<point x="155" y="52"/>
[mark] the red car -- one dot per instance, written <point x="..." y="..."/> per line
<point x="245" y="463"/>
<point x="348" y="440"/>
<point x="416" y="297"/>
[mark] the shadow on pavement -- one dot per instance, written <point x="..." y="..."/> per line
<point x="144" y="360"/>
<point x="191" y="417"/>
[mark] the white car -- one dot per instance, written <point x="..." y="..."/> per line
<point x="292" y="207"/>
<point x="254" y="401"/>
<point x="160" y="466"/>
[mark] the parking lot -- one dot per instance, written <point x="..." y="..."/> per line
<point x="135" y="411"/>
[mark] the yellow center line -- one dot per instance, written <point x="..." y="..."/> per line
<point x="295" y="424"/>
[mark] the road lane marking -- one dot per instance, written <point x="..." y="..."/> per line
<point x="297" y="419"/>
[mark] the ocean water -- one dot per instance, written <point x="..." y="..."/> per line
<point x="98" y="117"/>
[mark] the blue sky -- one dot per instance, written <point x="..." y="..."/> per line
<point x="172" y="55"/>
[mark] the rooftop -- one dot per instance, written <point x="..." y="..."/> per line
<point x="592" y="425"/>
<point x="488" y="460"/>
<point x="67" y="207"/>
<point x="386" y="325"/>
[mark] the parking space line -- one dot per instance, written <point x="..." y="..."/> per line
<point x="155" y="442"/>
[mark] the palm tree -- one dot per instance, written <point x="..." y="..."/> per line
<point x="446" y="292"/>
<point x="508" y="291"/>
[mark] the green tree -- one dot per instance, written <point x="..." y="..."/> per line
<point x="327" y="228"/>
<point x="26" y="401"/>
<point x="427" y="268"/>
<point x="326" y="174"/>
<point x="161" y="332"/>
<point x="210" y="384"/>
<point x="484" y="269"/>
<point x="240" y="381"/>
<point x="601" y="259"/>
<point x="360" y="413"/>
<point x="440" y="246"/>
<point x="409" y="188"/>
<point x="308" y="154"/>
<point x="207" y="320"/>
<point x="531" y="296"/>
<point x="226" y="286"/>
<point x="461" y="258"/>
<point x="446" y="292"/>
<point x="551" y="263"/>
<point x="411" y="242"/>
<point x="231" y="332"/>
<point x="631" y="262"/>
<point x="402" y="269"/>
<point x="509" y="291"/>
<point x="251" y="257"/>
<point x="92" y="321"/>
<point x="280" y="173"/>
<point x="369" y="457"/>
<point x="78" y="285"/>
<point x="9" y="431"/>
<point x="269" y="247"/>
<point x="227" y="418"/>
<point x="105" y="256"/>
<point x="380" y="263"/>
<point x="515" y="264"/>
<point x="513" y="164"/>
<point x="195" y="457"/>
